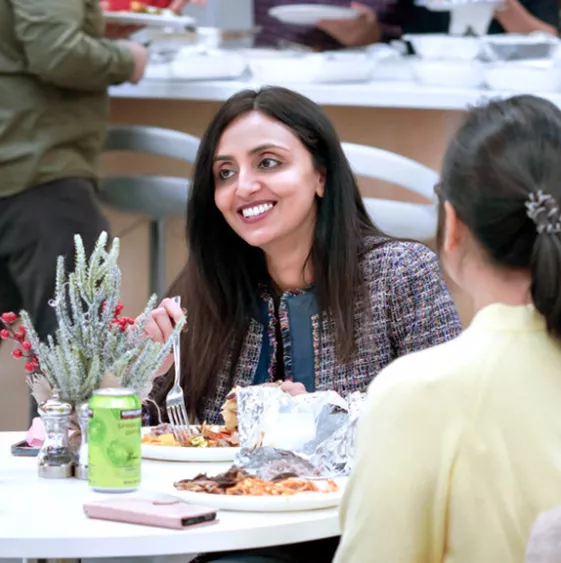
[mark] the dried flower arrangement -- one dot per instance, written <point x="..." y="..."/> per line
<point x="93" y="345"/>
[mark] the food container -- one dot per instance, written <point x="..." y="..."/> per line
<point x="514" y="46"/>
<point x="266" y="53"/>
<point x="449" y="74"/>
<point x="192" y="63"/>
<point x="444" y="46"/>
<point x="524" y="77"/>
<point x="390" y="63"/>
<point x="313" y="68"/>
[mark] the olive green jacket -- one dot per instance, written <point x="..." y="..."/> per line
<point x="55" y="68"/>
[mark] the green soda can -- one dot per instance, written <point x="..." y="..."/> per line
<point x="114" y="438"/>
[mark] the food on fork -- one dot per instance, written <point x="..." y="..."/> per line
<point x="230" y="410"/>
<point x="237" y="481"/>
<point x="138" y="7"/>
<point x="204" y="437"/>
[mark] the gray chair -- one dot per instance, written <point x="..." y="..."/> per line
<point x="157" y="197"/>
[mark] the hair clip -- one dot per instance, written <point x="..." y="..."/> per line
<point x="543" y="210"/>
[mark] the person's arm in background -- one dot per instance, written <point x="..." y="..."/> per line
<point x="373" y="24"/>
<point x="529" y="16"/>
<point x="60" y="53"/>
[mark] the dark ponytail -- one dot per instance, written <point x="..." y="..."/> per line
<point x="502" y="175"/>
<point x="546" y="280"/>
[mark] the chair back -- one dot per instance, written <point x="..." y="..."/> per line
<point x="157" y="197"/>
<point x="397" y="218"/>
<point x="154" y="196"/>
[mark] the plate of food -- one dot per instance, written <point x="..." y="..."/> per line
<point x="139" y="13"/>
<point x="237" y="490"/>
<point x="208" y="443"/>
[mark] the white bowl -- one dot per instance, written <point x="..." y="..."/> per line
<point x="313" y="68"/>
<point x="449" y="74"/>
<point x="524" y="76"/>
<point x="443" y="46"/>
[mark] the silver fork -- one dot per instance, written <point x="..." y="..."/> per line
<point x="175" y="400"/>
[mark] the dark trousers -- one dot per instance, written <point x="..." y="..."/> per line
<point x="37" y="226"/>
<point x="319" y="551"/>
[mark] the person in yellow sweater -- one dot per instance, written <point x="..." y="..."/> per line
<point x="459" y="446"/>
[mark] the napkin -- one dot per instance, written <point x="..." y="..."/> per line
<point x="36" y="434"/>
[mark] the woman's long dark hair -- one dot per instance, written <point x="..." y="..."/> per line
<point x="504" y="152"/>
<point x="219" y="285"/>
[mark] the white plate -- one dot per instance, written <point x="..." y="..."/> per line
<point x="148" y="20"/>
<point x="311" y="14"/>
<point x="178" y="453"/>
<point x="291" y="503"/>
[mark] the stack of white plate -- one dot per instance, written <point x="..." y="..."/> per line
<point x="447" y="61"/>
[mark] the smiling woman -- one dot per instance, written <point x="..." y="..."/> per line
<point x="287" y="277"/>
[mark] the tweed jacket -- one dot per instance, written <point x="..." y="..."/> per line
<point x="407" y="308"/>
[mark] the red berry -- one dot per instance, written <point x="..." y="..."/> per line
<point x="9" y="318"/>
<point x="118" y="309"/>
<point x="29" y="367"/>
<point x="17" y="353"/>
<point x="4" y="334"/>
<point x="19" y="336"/>
<point x="26" y="345"/>
<point x="22" y="329"/>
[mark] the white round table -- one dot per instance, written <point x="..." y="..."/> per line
<point x="43" y="519"/>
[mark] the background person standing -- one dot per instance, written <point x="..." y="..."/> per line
<point x="55" y="69"/>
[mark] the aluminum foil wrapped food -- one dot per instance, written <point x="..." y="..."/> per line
<point x="306" y="435"/>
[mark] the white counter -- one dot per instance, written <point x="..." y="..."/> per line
<point x="373" y="94"/>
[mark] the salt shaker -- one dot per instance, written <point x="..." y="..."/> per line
<point x="55" y="459"/>
<point x="81" y="470"/>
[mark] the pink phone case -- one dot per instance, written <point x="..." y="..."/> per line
<point x="170" y="513"/>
